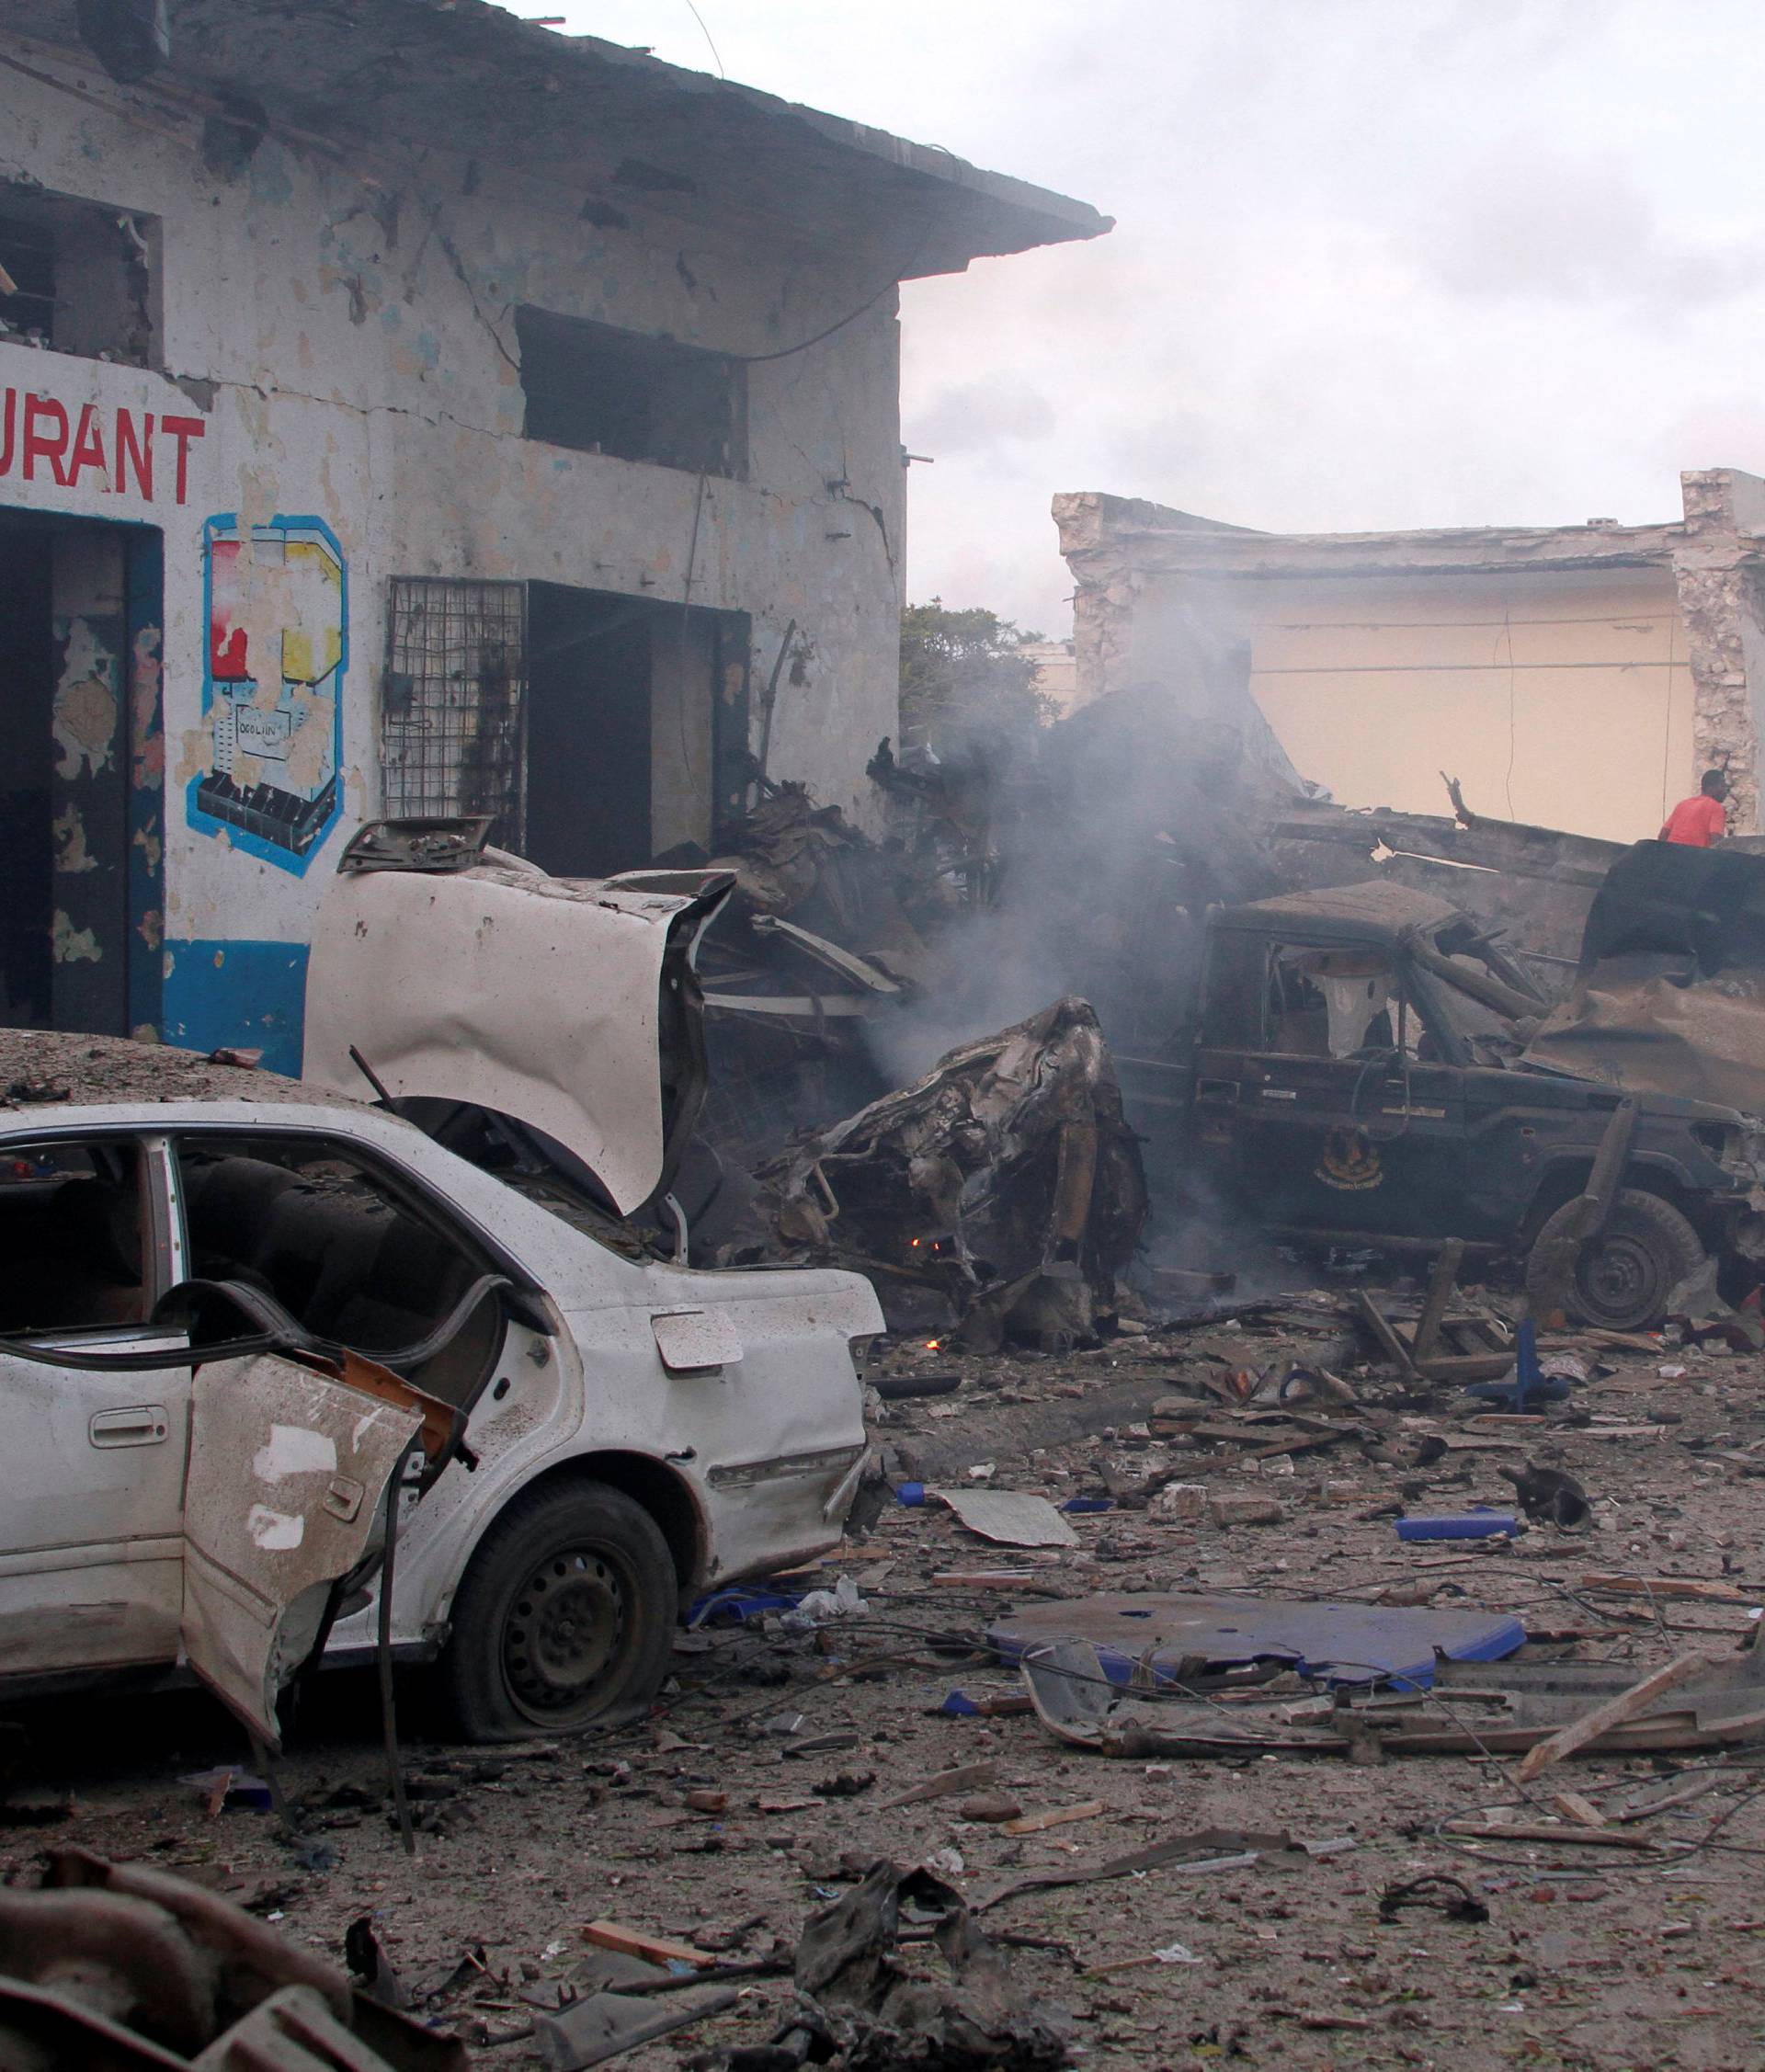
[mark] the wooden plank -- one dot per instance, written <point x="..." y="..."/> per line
<point x="1390" y="1344"/>
<point x="1614" y="1713"/>
<point x="1669" y="1585"/>
<point x="637" y="1942"/>
<point x="1589" y="1837"/>
<point x="1467" y="1367"/>
<point x="1573" y="1807"/>
<point x="970" y="1777"/>
<point x="1056" y="1816"/>
<point x="1445" y="1278"/>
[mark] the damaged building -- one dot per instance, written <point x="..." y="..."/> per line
<point x="415" y="412"/>
<point x="1573" y="677"/>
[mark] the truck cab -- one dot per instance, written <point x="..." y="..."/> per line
<point x="1356" y="1074"/>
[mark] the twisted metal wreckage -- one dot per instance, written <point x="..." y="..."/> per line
<point x="1002" y="1191"/>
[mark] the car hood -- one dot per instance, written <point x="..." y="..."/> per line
<point x="569" y="1004"/>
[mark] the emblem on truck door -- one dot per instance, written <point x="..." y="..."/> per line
<point x="1348" y="1160"/>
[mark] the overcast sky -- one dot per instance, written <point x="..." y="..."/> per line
<point x="1377" y="263"/>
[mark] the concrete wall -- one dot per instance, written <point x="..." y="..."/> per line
<point x="1578" y="678"/>
<point x="341" y="358"/>
<point x="1566" y="701"/>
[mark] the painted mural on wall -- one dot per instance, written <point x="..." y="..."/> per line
<point x="276" y="600"/>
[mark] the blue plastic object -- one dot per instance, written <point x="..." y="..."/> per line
<point x="909" y="1491"/>
<point x="732" y="1606"/>
<point x="1528" y="1397"/>
<point x="1084" y="1505"/>
<point x="1526" y="1374"/>
<point x="1462" y="1525"/>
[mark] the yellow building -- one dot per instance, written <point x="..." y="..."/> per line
<point x="1578" y="678"/>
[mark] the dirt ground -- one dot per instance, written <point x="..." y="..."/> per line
<point x="1649" y="1953"/>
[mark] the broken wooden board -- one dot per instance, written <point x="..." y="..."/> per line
<point x="969" y="1777"/>
<point x="1614" y="1712"/>
<point x="1693" y="1587"/>
<point x="637" y="1942"/>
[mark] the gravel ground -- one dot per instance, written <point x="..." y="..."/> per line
<point x="1592" y="1955"/>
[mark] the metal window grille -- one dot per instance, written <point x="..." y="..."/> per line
<point x="453" y="708"/>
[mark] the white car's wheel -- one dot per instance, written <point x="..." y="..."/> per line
<point x="566" y="1615"/>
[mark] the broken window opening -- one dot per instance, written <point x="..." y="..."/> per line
<point x="598" y="731"/>
<point x="602" y="389"/>
<point x="343" y="1250"/>
<point x="82" y="275"/>
<point x="73" y="1256"/>
<point x="454" y="702"/>
<point x="1341" y="1004"/>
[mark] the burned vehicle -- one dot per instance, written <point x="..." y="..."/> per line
<point x="1359" y="1071"/>
<point x="231" y="1305"/>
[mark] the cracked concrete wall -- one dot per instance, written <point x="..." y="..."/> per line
<point x="1721" y="602"/>
<point x="335" y="351"/>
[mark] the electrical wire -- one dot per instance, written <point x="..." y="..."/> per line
<point x="706" y="34"/>
<point x="384" y="1662"/>
<point x="1513" y="712"/>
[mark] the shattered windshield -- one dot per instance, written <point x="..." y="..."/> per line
<point x="1466" y="977"/>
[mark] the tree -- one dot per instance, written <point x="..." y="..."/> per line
<point x="965" y="681"/>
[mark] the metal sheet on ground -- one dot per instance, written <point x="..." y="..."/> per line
<point x="1009" y="1518"/>
<point x="1344" y="1643"/>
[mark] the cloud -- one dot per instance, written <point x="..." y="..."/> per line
<point x="981" y="416"/>
<point x="1527" y="221"/>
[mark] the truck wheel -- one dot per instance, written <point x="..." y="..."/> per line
<point x="566" y="1615"/>
<point x="1621" y="1280"/>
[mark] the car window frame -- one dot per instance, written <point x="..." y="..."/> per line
<point x="404" y="1182"/>
<point x="164" y="1252"/>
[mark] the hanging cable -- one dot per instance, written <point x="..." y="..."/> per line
<point x="383" y="1654"/>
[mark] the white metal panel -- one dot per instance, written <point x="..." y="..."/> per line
<point x="288" y="1474"/>
<point x="694" y="1340"/>
<point x="534" y="995"/>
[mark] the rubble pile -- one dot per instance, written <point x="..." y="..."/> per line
<point x="1182" y="1766"/>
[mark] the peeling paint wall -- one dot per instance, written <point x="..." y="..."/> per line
<point x="339" y="356"/>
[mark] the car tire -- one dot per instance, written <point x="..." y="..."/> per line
<point x="565" y="1617"/>
<point x="1621" y="1279"/>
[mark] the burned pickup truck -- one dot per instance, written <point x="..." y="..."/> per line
<point x="1367" y="1066"/>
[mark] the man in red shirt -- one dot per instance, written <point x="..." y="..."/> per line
<point x="1699" y="821"/>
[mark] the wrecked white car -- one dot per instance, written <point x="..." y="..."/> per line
<point x="235" y="1311"/>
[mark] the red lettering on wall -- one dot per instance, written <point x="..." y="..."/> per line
<point x="183" y="430"/>
<point x="135" y="451"/>
<point x="38" y="447"/>
<point x="88" y="446"/>
<point x="36" y="431"/>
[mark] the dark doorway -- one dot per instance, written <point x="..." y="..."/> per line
<point x="27" y="680"/>
<point x="80" y="797"/>
<point x="599" y="732"/>
<point x="636" y="728"/>
<point x="588" y="748"/>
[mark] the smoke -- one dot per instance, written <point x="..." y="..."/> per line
<point x="1095" y="854"/>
